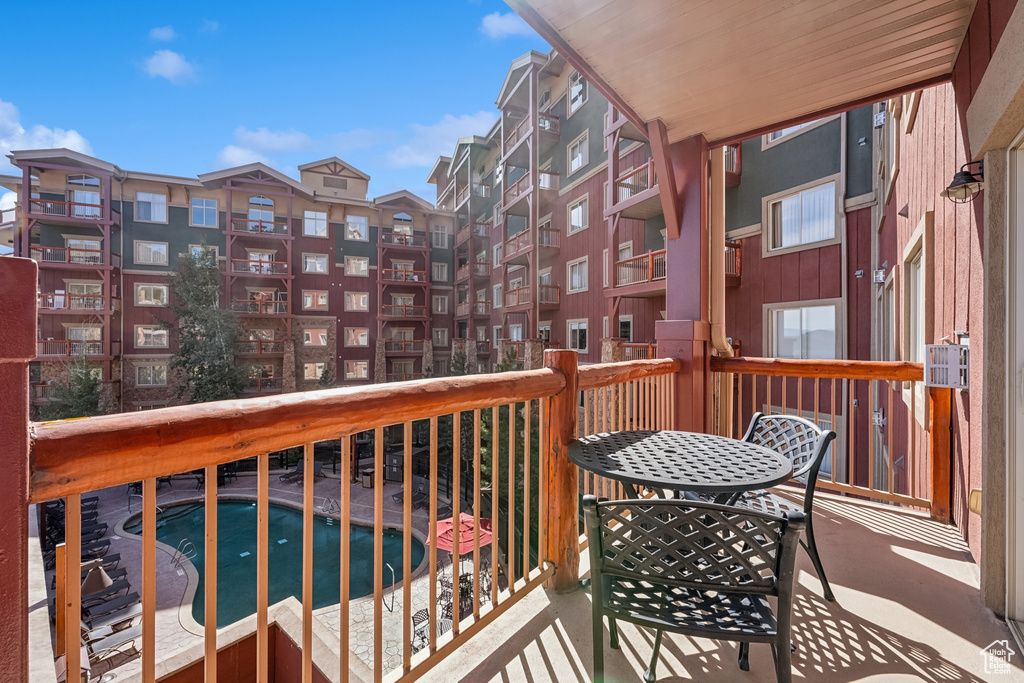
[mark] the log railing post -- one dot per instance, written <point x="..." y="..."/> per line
<point x="562" y="548"/>
<point x="939" y="440"/>
<point x="17" y="347"/>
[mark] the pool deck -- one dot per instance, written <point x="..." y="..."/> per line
<point x="173" y="637"/>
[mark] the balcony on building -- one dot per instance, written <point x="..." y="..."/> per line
<point x="522" y="297"/>
<point x="639" y="276"/>
<point x="270" y="305"/>
<point x="518" y="247"/>
<point x="63" y="303"/>
<point x="635" y="193"/>
<point x="68" y="212"/>
<point x="404" y="347"/>
<point x="69" y="348"/>
<point x="401" y="276"/>
<point x="262" y="385"/>
<point x="480" y="190"/>
<point x="473" y="269"/>
<point x="513" y="201"/>
<point x="395" y="311"/>
<point x="393" y="238"/>
<point x="473" y="309"/>
<point x="733" y="262"/>
<point x="254" y="227"/>
<point x="269" y="267"/>
<point x="476" y="230"/>
<point x="733" y="164"/>
<point x="260" y="347"/>
<point x="72" y="258"/>
<point x="516" y="150"/>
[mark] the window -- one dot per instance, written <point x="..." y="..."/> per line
<point x="544" y="332"/>
<point x="150" y="295"/>
<point x="578" y="335"/>
<point x="497" y="255"/>
<point x="314" y="263"/>
<point x="577" y="91"/>
<point x="198" y="251"/>
<point x="497" y="336"/>
<point x="439" y="272"/>
<point x="803" y="218"/>
<point x="626" y="327"/>
<point x="440" y="304"/>
<point x="84" y="332"/>
<point x="779" y="134"/>
<point x="312" y="371"/>
<point x="336" y="183"/>
<point x="357" y="369"/>
<point x="441" y="367"/>
<point x="441" y="336"/>
<point x="439" y="237"/>
<point x="888" y="326"/>
<point x="357" y="301"/>
<point x="515" y="332"/>
<point x="316" y="336"/>
<point x="83" y="181"/>
<point x="150" y="336"/>
<point x="357" y="266"/>
<point x="314" y="223"/>
<point x="356" y="229"/>
<point x="803" y="332"/>
<point x="150" y="207"/>
<point x="315" y="300"/>
<point x="204" y="212"/>
<point x="579" y="217"/>
<point x="261" y="214"/>
<point x="578" y="154"/>
<point x="915" y="287"/>
<point x="151" y="375"/>
<point x="496" y="296"/>
<point x="357" y="336"/>
<point x="576" y="275"/>
<point x="151" y="253"/>
<point x="83" y="250"/>
<point x="481" y="334"/>
<point x="85" y="203"/>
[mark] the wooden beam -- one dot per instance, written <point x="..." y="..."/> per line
<point x="561" y="417"/>
<point x="939" y="406"/>
<point x="840" y="369"/>
<point x="670" y="203"/>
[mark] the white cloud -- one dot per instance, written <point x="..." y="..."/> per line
<point x="430" y="142"/>
<point x="266" y="140"/>
<point x="7" y="200"/>
<point x="14" y="136"/>
<point x="209" y="26"/>
<point x="163" y="33"/>
<point x="232" y="156"/>
<point x="170" y="65"/>
<point x="497" y="26"/>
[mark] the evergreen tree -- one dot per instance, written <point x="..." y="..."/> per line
<point x="325" y="378"/>
<point x="207" y="333"/>
<point x="76" y="392"/>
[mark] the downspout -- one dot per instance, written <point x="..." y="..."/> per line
<point x="717" y="289"/>
<point x="120" y="356"/>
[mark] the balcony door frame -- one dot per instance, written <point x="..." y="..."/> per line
<point x="1015" y="390"/>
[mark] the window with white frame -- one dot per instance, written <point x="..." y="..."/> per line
<point x="578" y="154"/>
<point x="777" y="135"/>
<point x="515" y="332"/>
<point x="888" y="326"/>
<point x="914" y="286"/>
<point x="804" y="217"/>
<point x="440" y="304"/>
<point x="357" y="266"/>
<point x="577" y="330"/>
<point x="481" y="333"/>
<point x="150" y="336"/>
<point x="357" y="301"/>
<point x="626" y="327"/>
<point x="577" y="91"/>
<point x="151" y="253"/>
<point x="203" y="212"/>
<point x="357" y="229"/>
<point x="312" y="371"/>
<point x="578" y="215"/>
<point x="440" y="336"/>
<point x="496" y="337"/>
<point x="85" y="203"/>
<point x="314" y="336"/>
<point x="442" y="367"/>
<point x="544" y="331"/>
<point x="83" y="250"/>
<point x="497" y="296"/>
<point x="261" y="214"/>
<point x="576" y="275"/>
<point x="314" y="263"/>
<point x="151" y="375"/>
<point x="314" y="223"/>
<point x="803" y="331"/>
<point x="150" y="294"/>
<point x="357" y="369"/>
<point x="357" y="336"/>
<point x="439" y="272"/>
<point x="314" y="300"/>
<point x="439" y="236"/>
<point x="497" y="252"/>
<point x="150" y="207"/>
<point x="199" y="251"/>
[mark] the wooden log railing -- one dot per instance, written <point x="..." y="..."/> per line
<point x="530" y="418"/>
<point x="892" y="440"/>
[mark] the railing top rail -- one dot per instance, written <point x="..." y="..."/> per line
<point x="641" y="257"/>
<point x="837" y="369"/>
<point x="75" y="456"/>
<point x="606" y="374"/>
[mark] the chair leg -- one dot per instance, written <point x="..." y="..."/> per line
<point x="812" y="550"/>
<point x="613" y="627"/>
<point x="744" y="657"/>
<point x="651" y="675"/>
<point x="598" y="622"/>
<point x="783" y="659"/>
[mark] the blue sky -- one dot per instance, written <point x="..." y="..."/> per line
<point x="188" y="87"/>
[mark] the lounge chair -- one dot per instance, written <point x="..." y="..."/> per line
<point x="110" y="591"/>
<point x="112" y="620"/>
<point x="114" y="575"/>
<point x="318" y="471"/>
<point x="294" y="474"/>
<point x="112" y="605"/>
<point x="104" y="647"/>
<point x="420" y="497"/>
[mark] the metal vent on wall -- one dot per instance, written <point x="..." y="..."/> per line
<point x="947" y="365"/>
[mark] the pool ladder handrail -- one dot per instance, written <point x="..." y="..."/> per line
<point x="391" y="607"/>
<point x="330" y="506"/>
<point x="186" y="550"/>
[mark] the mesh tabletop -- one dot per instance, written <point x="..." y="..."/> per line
<point x="681" y="461"/>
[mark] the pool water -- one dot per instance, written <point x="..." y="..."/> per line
<point x="236" y="555"/>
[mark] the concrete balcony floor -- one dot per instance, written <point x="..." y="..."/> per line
<point x="907" y="609"/>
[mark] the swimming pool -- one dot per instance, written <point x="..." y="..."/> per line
<point x="236" y="555"/>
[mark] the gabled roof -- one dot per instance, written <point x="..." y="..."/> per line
<point x="404" y="198"/>
<point x="515" y="70"/>
<point x="161" y="178"/>
<point x="217" y="178"/>
<point x="440" y="166"/>
<point x="64" y="157"/>
<point x="323" y="162"/>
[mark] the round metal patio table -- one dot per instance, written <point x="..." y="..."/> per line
<point x="681" y="461"/>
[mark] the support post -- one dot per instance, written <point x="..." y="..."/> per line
<point x="561" y="413"/>
<point x="939" y="406"/>
<point x="18" y="278"/>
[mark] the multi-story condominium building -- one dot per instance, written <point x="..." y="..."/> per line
<point x="326" y="283"/>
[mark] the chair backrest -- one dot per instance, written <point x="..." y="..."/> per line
<point x="799" y="440"/>
<point x="692" y="544"/>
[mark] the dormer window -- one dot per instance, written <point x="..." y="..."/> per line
<point x="261" y="214"/>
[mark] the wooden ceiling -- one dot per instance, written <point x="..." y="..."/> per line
<point x="727" y="68"/>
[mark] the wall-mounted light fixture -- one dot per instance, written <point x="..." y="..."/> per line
<point x="965" y="185"/>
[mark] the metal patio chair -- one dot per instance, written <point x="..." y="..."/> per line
<point x="694" y="568"/>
